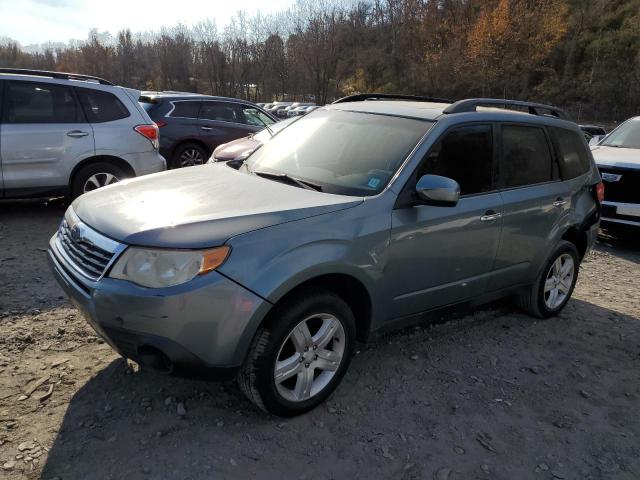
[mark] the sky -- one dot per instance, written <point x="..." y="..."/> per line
<point x="40" y="21"/>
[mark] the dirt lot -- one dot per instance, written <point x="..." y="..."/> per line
<point x="491" y="395"/>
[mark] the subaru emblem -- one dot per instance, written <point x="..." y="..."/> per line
<point x="75" y="233"/>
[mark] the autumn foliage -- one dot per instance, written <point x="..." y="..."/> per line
<point x="584" y="56"/>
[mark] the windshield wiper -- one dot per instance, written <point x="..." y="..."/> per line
<point x="292" y="180"/>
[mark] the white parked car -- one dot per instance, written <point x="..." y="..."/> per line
<point x="618" y="159"/>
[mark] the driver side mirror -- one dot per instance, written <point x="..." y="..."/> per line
<point x="438" y="191"/>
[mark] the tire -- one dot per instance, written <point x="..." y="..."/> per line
<point x="189" y="155"/>
<point x="540" y="302"/>
<point x="95" y="176"/>
<point x="276" y="342"/>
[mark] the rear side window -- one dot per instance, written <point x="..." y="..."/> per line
<point x="33" y="102"/>
<point x="464" y="154"/>
<point x="574" y="160"/>
<point x="101" y="106"/>
<point x="526" y="157"/>
<point x="185" y="109"/>
<point x="221" y="111"/>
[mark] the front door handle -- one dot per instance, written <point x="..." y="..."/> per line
<point x="206" y="129"/>
<point x="77" y="134"/>
<point x="559" y="202"/>
<point x="490" y="215"/>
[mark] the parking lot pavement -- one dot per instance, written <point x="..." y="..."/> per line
<point x="494" y="394"/>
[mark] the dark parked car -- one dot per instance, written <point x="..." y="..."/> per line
<point x="243" y="147"/>
<point x="192" y="125"/>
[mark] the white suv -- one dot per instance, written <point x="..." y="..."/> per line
<point x="618" y="159"/>
<point x="66" y="134"/>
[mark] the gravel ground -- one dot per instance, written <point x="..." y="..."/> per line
<point x="492" y="395"/>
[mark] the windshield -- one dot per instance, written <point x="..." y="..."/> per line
<point x="626" y="135"/>
<point x="347" y="153"/>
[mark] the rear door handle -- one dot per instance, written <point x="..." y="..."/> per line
<point x="559" y="202"/>
<point x="206" y="129"/>
<point x="77" y="134"/>
<point x="490" y="216"/>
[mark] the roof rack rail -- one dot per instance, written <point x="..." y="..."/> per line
<point x="359" y="97"/>
<point x="471" y="104"/>
<point x="60" y="75"/>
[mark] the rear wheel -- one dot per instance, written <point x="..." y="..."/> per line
<point x="299" y="357"/>
<point x="188" y="155"/>
<point x="555" y="283"/>
<point x="94" y="176"/>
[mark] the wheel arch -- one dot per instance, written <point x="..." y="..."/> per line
<point x="348" y="287"/>
<point x="578" y="236"/>
<point x="119" y="162"/>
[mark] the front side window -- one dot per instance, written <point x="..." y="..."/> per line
<point x="574" y="160"/>
<point x="626" y="135"/>
<point x="220" y="111"/>
<point x="526" y="157"/>
<point x="32" y="102"/>
<point x="101" y="106"/>
<point x="185" y="109"/>
<point x="253" y="116"/>
<point x="464" y="154"/>
<point x="348" y="153"/>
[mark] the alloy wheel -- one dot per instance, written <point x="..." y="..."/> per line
<point x="191" y="157"/>
<point x="559" y="281"/>
<point x="98" y="180"/>
<point x="309" y="357"/>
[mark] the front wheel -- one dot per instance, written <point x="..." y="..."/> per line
<point x="300" y="355"/>
<point x="555" y="283"/>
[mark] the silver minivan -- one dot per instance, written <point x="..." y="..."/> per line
<point x="67" y="134"/>
<point x="360" y="217"/>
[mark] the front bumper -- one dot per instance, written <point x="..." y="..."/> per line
<point x="622" y="213"/>
<point x="207" y="323"/>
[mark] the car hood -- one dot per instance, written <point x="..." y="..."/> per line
<point x="198" y="207"/>
<point x="616" y="157"/>
<point x="231" y="150"/>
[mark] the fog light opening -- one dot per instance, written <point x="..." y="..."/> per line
<point x="151" y="357"/>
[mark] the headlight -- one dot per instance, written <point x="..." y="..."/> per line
<point x="156" y="268"/>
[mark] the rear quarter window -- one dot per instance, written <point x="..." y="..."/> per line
<point x="185" y="109"/>
<point x="101" y="106"/>
<point x="572" y="153"/>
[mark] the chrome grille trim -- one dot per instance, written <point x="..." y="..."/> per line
<point x="88" y="252"/>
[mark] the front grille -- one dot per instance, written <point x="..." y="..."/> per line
<point x="625" y="190"/>
<point x="79" y="244"/>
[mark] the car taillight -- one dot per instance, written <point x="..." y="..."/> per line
<point x="160" y="123"/>
<point x="148" y="131"/>
<point x="600" y="192"/>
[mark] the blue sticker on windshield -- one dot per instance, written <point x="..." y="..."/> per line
<point x="373" y="182"/>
